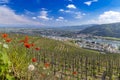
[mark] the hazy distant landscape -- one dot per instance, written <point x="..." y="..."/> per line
<point x="103" y="38"/>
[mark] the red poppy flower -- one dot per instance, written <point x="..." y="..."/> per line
<point x="37" y="49"/>
<point x="8" y="40"/>
<point x="32" y="44"/>
<point x="47" y="65"/>
<point x="4" y="35"/>
<point x="27" y="45"/>
<point x="25" y="40"/>
<point x="74" y="73"/>
<point x="34" y="60"/>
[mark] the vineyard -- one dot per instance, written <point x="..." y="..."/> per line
<point x="37" y="58"/>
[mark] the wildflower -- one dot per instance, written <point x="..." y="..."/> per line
<point x="27" y="45"/>
<point x="37" y="49"/>
<point x="34" y="60"/>
<point x="4" y="35"/>
<point x="58" y="75"/>
<point x="0" y="42"/>
<point x="25" y="40"/>
<point x="32" y="44"/>
<point x="47" y="65"/>
<point x="31" y="67"/>
<point x="8" y="40"/>
<point x="74" y="73"/>
<point x="44" y="68"/>
<point x="9" y="70"/>
<point x="5" y="46"/>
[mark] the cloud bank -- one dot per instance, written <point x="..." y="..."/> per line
<point x="8" y="16"/>
<point x="107" y="17"/>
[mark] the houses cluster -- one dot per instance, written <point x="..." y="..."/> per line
<point x="90" y="44"/>
<point x="58" y="38"/>
<point x="102" y="47"/>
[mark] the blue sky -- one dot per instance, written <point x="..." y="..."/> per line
<point x="59" y="12"/>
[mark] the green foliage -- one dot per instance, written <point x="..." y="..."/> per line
<point x="5" y="65"/>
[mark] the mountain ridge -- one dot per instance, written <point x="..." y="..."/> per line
<point x="105" y="30"/>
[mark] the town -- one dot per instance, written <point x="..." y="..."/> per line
<point x="92" y="42"/>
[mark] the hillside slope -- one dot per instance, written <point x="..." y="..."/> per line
<point x="106" y="30"/>
<point x="36" y="58"/>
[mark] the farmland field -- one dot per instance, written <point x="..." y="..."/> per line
<point x="24" y="57"/>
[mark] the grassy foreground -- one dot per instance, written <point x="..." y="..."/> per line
<point x="37" y="58"/>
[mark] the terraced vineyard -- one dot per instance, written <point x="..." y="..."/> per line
<point x="37" y="58"/>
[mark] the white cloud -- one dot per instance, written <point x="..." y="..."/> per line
<point x="34" y="18"/>
<point x="4" y="1"/>
<point x="28" y="12"/>
<point x="71" y="6"/>
<point x="60" y="18"/>
<point x="90" y="2"/>
<point x="73" y="13"/>
<point x="8" y="16"/>
<point x="107" y="17"/>
<point x="65" y="11"/>
<point x="61" y="10"/>
<point x="78" y="15"/>
<point x="83" y="14"/>
<point x="44" y="15"/>
<point x="68" y="11"/>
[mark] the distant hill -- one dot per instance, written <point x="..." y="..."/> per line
<point x="106" y="30"/>
<point x="73" y="28"/>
